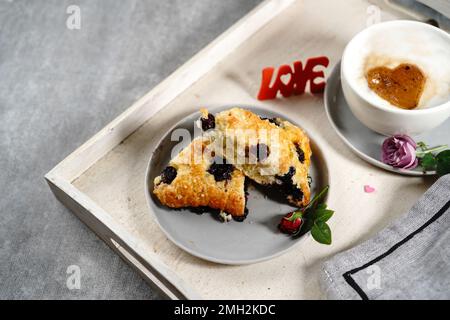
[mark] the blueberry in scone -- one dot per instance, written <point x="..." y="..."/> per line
<point x="168" y="175"/>
<point x="197" y="179"/>
<point x="269" y="151"/>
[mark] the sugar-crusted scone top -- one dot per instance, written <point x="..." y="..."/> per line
<point x="191" y="181"/>
<point x="268" y="151"/>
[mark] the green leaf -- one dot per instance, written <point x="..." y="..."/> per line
<point x="321" y="206"/>
<point x="307" y="225"/>
<point x="323" y="215"/>
<point x="321" y="232"/>
<point x="443" y="163"/>
<point x="428" y="162"/>
<point x="311" y="211"/>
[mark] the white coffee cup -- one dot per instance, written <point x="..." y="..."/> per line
<point x="393" y="43"/>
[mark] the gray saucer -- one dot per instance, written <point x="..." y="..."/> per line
<point x="363" y="141"/>
<point x="256" y="239"/>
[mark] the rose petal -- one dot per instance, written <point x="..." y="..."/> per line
<point x="407" y="139"/>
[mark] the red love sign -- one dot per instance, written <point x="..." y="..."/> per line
<point x="293" y="82"/>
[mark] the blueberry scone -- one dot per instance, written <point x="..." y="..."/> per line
<point x="198" y="179"/>
<point x="271" y="152"/>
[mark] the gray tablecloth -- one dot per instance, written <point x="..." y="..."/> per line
<point x="408" y="260"/>
<point x="59" y="85"/>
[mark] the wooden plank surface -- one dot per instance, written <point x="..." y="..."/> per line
<point x="307" y="28"/>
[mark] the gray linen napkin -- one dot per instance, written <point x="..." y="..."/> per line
<point x="408" y="260"/>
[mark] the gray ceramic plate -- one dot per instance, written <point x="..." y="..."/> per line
<point x="363" y="141"/>
<point x="254" y="240"/>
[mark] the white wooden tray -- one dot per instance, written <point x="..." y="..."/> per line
<point x="102" y="182"/>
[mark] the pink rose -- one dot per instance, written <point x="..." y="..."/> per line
<point x="399" y="151"/>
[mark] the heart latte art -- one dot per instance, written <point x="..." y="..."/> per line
<point x="401" y="86"/>
<point x="405" y="67"/>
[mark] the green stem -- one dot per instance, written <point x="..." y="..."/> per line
<point x="432" y="150"/>
<point x="317" y="197"/>
<point x="301" y="212"/>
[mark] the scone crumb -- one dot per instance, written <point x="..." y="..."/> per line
<point x="225" y="217"/>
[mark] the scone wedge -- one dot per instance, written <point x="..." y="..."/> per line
<point x="271" y="152"/>
<point x="196" y="178"/>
